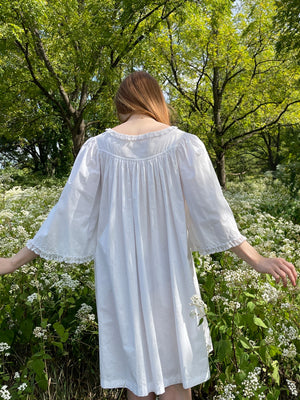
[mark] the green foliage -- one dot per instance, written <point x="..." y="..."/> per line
<point x="287" y="22"/>
<point x="69" y="56"/>
<point x="223" y="76"/>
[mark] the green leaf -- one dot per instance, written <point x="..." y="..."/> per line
<point x="259" y="322"/>
<point x="37" y="366"/>
<point x="60" y="312"/>
<point x="275" y="373"/>
<point x="223" y="349"/>
<point x="249" y="294"/>
<point x="59" y="328"/>
<point x="58" y="344"/>
<point x="250" y="305"/>
<point x="244" y="344"/>
<point x="42" y="381"/>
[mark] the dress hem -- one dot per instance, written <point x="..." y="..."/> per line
<point x="159" y="389"/>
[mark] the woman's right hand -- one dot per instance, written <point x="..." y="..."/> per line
<point x="6" y="266"/>
<point x="279" y="268"/>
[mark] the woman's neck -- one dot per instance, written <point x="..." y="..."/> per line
<point x="138" y="124"/>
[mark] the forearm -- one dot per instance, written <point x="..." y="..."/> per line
<point x="248" y="253"/>
<point x="24" y="256"/>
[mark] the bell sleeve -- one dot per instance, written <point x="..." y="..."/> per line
<point x="211" y="226"/>
<point x="69" y="232"/>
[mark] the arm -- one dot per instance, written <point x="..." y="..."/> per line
<point x="277" y="267"/>
<point x="9" y="265"/>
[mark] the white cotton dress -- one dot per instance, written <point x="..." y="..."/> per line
<point x="138" y="206"/>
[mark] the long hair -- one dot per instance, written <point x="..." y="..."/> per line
<point x="140" y="93"/>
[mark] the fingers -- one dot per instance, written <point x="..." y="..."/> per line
<point x="284" y="270"/>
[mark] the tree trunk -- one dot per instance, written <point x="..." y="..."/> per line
<point x="78" y="134"/>
<point x="218" y="127"/>
<point x="221" y="172"/>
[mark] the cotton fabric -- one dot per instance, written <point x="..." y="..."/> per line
<point x="138" y="206"/>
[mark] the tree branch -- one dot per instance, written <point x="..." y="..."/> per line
<point x="248" y="113"/>
<point x="43" y="56"/>
<point x="38" y="83"/>
<point x="239" y="138"/>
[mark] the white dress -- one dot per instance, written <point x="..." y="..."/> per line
<point x="138" y="206"/>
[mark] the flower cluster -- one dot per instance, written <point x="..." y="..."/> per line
<point x="85" y="316"/>
<point x="3" y="347"/>
<point x="269" y="293"/>
<point x="200" y="309"/>
<point x="40" y="332"/>
<point x="66" y="282"/>
<point x="228" y="392"/>
<point x="251" y="384"/>
<point x="240" y="277"/>
<point x="230" y="305"/>
<point x="32" y="297"/>
<point x="4" y="393"/>
<point x="284" y="337"/>
<point x="292" y="387"/>
<point x="22" y="387"/>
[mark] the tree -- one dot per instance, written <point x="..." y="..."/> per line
<point x="228" y="82"/>
<point x="286" y="21"/>
<point x="73" y="50"/>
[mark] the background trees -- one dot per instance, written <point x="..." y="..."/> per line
<point x="70" y="53"/>
<point x="221" y="61"/>
<point x="61" y="62"/>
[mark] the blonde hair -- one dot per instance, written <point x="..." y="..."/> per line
<point x="140" y="93"/>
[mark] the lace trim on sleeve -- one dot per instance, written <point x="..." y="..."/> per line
<point x="48" y="254"/>
<point x="221" y="247"/>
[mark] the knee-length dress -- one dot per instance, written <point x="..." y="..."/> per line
<point x="138" y="206"/>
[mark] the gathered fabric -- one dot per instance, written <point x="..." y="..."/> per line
<point x="138" y="206"/>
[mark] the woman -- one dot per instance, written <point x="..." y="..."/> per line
<point x="140" y="198"/>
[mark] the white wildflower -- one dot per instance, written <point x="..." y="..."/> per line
<point x="17" y="375"/>
<point x="228" y="392"/>
<point x="4" y="346"/>
<point x="290" y="352"/>
<point x="290" y="332"/>
<point x="66" y="282"/>
<point x="39" y="332"/>
<point x="85" y="316"/>
<point x="270" y="293"/>
<point x="201" y="307"/>
<point x="23" y="386"/>
<point x="251" y="383"/>
<point x="285" y="305"/>
<point x="218" y="297"/>
<point x="32" y="297"/>
<point x="4" y="393"/>
<point x="84" y="310"/>
<point x="292" y="387"/>
<point x="14" y="287"/>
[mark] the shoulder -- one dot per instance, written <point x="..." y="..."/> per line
<point x="190" y="141"/>
<point x="94" y="142"/>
